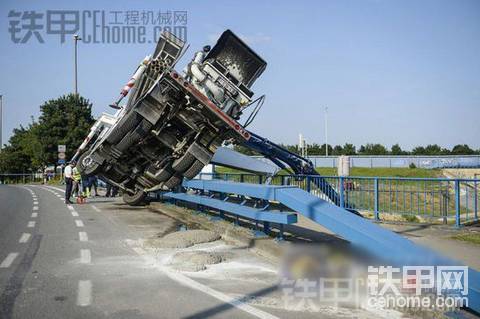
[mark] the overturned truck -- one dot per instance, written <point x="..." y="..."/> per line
<point x="172" y="123"/>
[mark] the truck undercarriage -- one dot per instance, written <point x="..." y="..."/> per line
<point x="172" y="124"/>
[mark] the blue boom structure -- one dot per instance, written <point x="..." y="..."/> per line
<point x="300" y="165"/>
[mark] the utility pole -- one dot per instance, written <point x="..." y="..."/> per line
<point x="326" y="132"/>
<point x="1" y="122"/>
<point x="76" y="38"/>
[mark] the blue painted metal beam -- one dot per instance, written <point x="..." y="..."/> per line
<point x="237" y="209"/>
<point x="230" y="158"/>
<point x="260" y="191"/>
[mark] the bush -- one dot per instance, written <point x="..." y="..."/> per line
<point x="412" y="165"/>
<point x="411" y="218"/>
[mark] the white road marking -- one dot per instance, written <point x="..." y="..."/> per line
<point x="24" y="238"/>
<point x="35" y="207"/>
<point x="58" y="189"/>
<point x="189" y="282"/>
<point x="9" y="260"/>
<point x="70" y="207"/>
<point x="35" y="203"/>
<point x="83" y="236"/>
<point x="74" y="213"/>
<point x="31" y="224"/>
<point x="95" y="208"/>
<point x="79" y="223"/>
<point x="85" y="256"/>
<point x="34" y="215"/>
<point x="84" y="296"/>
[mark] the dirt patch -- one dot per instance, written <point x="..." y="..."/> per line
<point x="184" y="239"/>
<point x="195" y="260"/>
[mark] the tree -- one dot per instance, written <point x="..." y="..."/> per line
<point x="314" y="149"/>
<point x="373" y="149"/>
<point x="337" y="150"/>
<point x="66" y="120"/>
<point x="323" y="148"/>
<point x="462" y="149"/>
<point x="13" y="158"/>
<point x="396" y="150"/>
<point x="418" y="150"/>
<point x="433" y="149"/>
<point x="349" y="149"/>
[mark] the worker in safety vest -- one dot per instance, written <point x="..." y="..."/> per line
<point x="76" y="181"/>
<point x="86" y="186"/>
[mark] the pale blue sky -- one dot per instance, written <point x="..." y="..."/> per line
<point x="389" y="71"/>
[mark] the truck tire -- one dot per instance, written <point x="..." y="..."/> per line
<point x="126" y="124"/>
<point x="87" y="166"/>
<point x="134" y="136"/>
<point x="136" y="199"/>
<point x="160" y="176"/>
<point x="173" y="182"/>
<point x="183" y="163"/>
<point x="194" y="170"/>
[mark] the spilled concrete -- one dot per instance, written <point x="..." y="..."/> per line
<point x="184" y="239"/>
<point x="195" y="260"/>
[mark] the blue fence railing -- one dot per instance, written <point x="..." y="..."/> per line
<point x="440" y="161"/>
<point x="440" y="200"/>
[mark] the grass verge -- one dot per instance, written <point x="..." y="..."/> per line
<point x="473" y="238"/>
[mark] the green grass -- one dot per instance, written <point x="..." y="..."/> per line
<point x="364" y="171"/>
<point x="384" y="172"/>
<point x="473" y="238"/>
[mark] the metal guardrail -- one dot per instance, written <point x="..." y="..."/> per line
<point x="438" y="200"/>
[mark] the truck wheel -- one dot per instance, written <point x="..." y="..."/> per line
<point x="134" y="136"/>
<point x="136" y="199"/>
<point x="126" y="124"/>
<point x="173" y="182"/>
<point x="160" y="176"/>
<point x="194" y="170"/>
<point x="87" y="166"/>
<point x="183" y="163"/>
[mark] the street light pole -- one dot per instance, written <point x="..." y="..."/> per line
<point x="76" y="38"/>
<point x="326" y="132"/>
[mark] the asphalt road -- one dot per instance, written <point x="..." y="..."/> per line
<point x="59" y="261"/>
<point x="97" y="260"/>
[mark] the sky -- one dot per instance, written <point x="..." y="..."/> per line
<point x="389" y="71"/>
